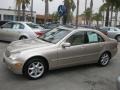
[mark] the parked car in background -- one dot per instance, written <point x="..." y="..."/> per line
<point x="61" y="47"/>
<point x="3" y="22"/>
<point x="50" y="26"/>
<point x="118" y="26"/>
<point x="20" y="30"/>
<point x="89" y="26"/>
<point x="112" y="32"/>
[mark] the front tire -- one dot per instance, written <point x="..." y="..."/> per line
<point x="104" y="59"/>
<point x="34" y="69"/>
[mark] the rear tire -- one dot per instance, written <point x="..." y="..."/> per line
<point x="34" y="69"/>
<point x="22" y="37"/>
<point x="104" y="59"/>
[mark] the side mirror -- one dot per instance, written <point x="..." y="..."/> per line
<point x="66" y="45"/>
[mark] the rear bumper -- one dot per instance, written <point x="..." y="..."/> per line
<point x="13" y="65"/>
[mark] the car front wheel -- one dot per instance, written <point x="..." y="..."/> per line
<point x="34" y="69"/>
<point x="104" y="59"/>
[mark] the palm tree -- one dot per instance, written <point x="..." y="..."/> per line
<point x="31" y="10"/>
<point x="18" y="6"/>
<point x="91" y="7"/>
<point x="88" y="15"/>
<point x="102" y="10"/>
<point x="85" y="10"/>
<point x="111" y="3"/>
<point x="97" y="17"/>
<point x="24" y="4"/>
<point x="77" y="13"/>
<point x="46" y="10"/>
<point x="70" y="7"/>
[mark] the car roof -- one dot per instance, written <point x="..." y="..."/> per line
<point x="80" y="28"/>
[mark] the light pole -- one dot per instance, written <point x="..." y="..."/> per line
<point x="77" y="14"/>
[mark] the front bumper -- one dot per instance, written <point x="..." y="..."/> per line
<point x="13" y="65"/>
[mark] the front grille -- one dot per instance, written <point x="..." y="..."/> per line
<point x="7" y="53"/>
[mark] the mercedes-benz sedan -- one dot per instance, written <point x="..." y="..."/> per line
<point x="61" y="47"/>
<point x="15" y="30"/>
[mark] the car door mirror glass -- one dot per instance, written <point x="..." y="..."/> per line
<point x="66" y="45"/>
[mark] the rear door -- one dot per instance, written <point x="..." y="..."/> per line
<point x="93" y="47"/>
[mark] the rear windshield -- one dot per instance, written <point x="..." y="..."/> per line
<point x="34" y="26"/>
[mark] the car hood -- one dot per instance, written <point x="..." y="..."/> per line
<point x="27" y="44"/>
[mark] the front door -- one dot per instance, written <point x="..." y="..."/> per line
<point x="75" y="53"/>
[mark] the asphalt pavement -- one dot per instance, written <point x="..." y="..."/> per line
<point x="85" y="77"/>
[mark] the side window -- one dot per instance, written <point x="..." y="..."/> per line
<point x="8" y="25"/>
<point x="18" y="26"/>
<point x="21" y="26"/>
<point x="94" y="37"/>
<point x="77" y="38"/>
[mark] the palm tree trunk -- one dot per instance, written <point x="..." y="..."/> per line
<point x="107" y="17"/>
<point x="46" y="11"/>
<point x="23" y="9"/>
<point x="18" y="12"/>
<point x="77" y="13"/>
<point x="85" y="22"/>
<point x="111" y="15"/>
<point x="103" y="18"/>
<point x="91" y="7"/>
<point x="31" y="10"/>
<point x="116" y="17"/>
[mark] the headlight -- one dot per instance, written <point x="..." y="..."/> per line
<point x="7" y="53"/>
<point x="14" y="56"/>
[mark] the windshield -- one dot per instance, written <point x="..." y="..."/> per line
<point x="34" y="26"/>
<point x="55" y="35"/>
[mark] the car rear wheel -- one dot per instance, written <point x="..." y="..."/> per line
<point x="34" y="69"/>
<point x="118" y="38"/>
<point x="22" y="37"/>
<point x="104" y="59"/>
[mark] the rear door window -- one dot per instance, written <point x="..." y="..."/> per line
<point x="93" y="37"/>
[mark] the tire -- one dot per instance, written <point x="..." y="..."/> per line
<point x="22" y="37"/>
<point x="34" y="69"/>
<point x="104" y="59"/>
<point x="118" y="38"/>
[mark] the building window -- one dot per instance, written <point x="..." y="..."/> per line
<point x="8" y="17"/>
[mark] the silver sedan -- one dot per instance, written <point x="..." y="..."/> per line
<point x="61" y="47"/>
<point x="13" y="30"/>
<point x="112" y="32"/>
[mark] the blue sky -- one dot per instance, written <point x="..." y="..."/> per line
<point x="39" y="5"/>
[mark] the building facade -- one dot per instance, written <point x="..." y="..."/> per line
<point x="11" y="15"/>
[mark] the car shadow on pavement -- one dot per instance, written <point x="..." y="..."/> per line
<point x="73" y="69"/>
<point x="7" y="42"/>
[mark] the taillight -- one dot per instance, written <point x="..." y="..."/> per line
<point x="39" y="33"/>
<point x="105" y="33"/>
